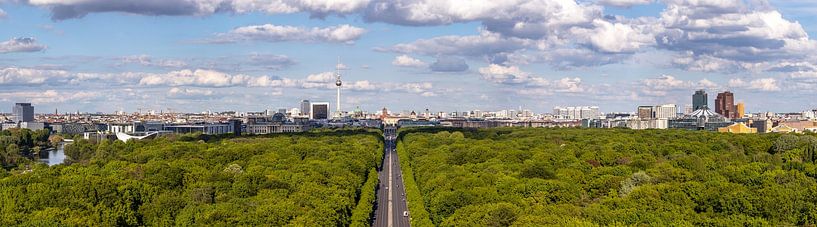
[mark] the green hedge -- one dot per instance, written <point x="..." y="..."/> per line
<point x="414" y="199"/>
<point x="362" y="215"/>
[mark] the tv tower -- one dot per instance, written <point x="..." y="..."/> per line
<point x="338" y="83"/>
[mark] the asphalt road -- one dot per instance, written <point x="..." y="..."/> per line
<point x="391" y="195"/>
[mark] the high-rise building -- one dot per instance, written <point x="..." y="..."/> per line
<point x="23" y="112"/>
<point x="576" y="112"/>
<point x="699" y="100"/>
<point x="319" y="111"/>
<point x="305" y="107"/>
<point x="645" y="112"/>
<point x="688" y="109"/>
<point x="667" y="111"/>
<point x="725" y="104"/>
<point x="741" y="110"/>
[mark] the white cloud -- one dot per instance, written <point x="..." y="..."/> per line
<point x="708" y="35"/>
<point x="189" y="93"/>
<point x="567" y="84"/>
<point x="705" y="83"/>
<point x="146" y="60"/>
<point x="666" y="82"/>
<point x="324" y="77"/>
<point x="2" y="14"/>
<point x="20" y="45"/>
<point x="618" y="37"/>
<point x="428" y="94"/>
<point x="793" y="67"/>
<point x="61" y="10"/>
<point x="209" y="78"/>
<point x="271" y="61"/>
<point x="449" y="64"/>
<point x="50" y="96"/>
<point x="737" y="82"/>
<point x="516" y="18"/>
<point x="804" y="75"/>
<point x="705" y="63"/>
<point x="27" y="76"/>
<point x="199" y="77"/>
<point x="510" y="75"/>
<point x="407" y="61"/>
<point x="762" y="84"/>
<point x="730" y="35"/>
<point x="418" y="88"/>
<point x="532" y="85"/>
<point x="281" y="33"/>
<point x="265" y="81"/>
<point x="625" y="3"/>
<point x="486" y="44"/>
<point x="341" y="66"/>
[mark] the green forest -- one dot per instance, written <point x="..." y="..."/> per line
<point x="19" y="146"/>
<point x="324" y="178"/>
<point x="586" y="177"/>
<point x="453" y="177"/>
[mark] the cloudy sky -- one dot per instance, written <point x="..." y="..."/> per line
<point x="444" y="55"/>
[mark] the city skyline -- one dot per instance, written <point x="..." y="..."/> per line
<point x="193" y="56"/>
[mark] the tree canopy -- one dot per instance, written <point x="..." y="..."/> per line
<point x="17" y="146"/>
<point x="535" y="177"/>
<point x="306" y="179"/>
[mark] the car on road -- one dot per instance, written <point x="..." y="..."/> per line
<point x="405" y="213"/>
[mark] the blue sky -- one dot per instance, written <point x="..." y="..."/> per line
<point x="442" y="55"/>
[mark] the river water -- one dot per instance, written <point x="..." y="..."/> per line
<point x="53" y="156"/>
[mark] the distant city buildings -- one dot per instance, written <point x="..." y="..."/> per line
<point x="701" y="119"/>
<point x="666" y="111"/>
<point x="207" y="129"/>
<point x="306" y="108"/>
<point x="23" y="112"/>
<point x="739" y="127"/>
<point x="699" y="100"/>
<point x="725" y="105"/>
<point x="740" y="110"/>
<point x="576" y="112"/>
<point x="762" y="125"/>
<point x="319" y="111"/>
<point x="728" y="117"/>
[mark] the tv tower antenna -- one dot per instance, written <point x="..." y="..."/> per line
<point x="338" y="83"/>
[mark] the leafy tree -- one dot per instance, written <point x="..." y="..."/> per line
<point x="784" y="143"/>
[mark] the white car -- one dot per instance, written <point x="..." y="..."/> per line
<point x="405" y="213"/>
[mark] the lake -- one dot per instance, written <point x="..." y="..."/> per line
<point x="53" y="156"/>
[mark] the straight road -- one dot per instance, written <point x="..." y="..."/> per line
<point x="391" y="207"/>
